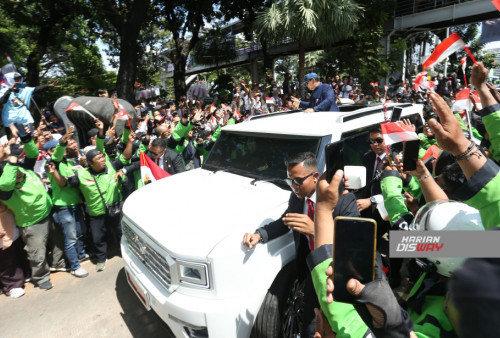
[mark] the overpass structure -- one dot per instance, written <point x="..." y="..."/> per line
<point x="409" y="16"/>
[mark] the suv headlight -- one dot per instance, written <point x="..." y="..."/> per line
<point x="193" y="273"/>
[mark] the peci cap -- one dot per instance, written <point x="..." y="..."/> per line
<point x="309" y="77"/>
<point x="51" y="144"/>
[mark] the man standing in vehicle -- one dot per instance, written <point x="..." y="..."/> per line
<point x="299" y="217"/>
<point x="322" y="96"/>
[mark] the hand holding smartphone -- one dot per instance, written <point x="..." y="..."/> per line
<point x="354" y="247"/>
<point x="410" y="155"/>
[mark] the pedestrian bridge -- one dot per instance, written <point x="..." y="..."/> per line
<point x="409" y="15"/>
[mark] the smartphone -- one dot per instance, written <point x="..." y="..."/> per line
<point x="354" y="246"/>
<point x="334" y="156"/>
<point x="21" y="129"/>
<point x="396" y="114"/>
<point x="410" y="154"/>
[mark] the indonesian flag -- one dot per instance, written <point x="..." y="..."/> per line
<point x="150" y="171"/>
<point x="496" y="3"/>
<point x="432" y="152"/>
<point x="374" y="84"/>
<point x="269" y="100"/>
<point x="122" y="113"/>
<point x="449" y="46"/>
<point x="76" y="107"/>
<point x="421" y="82"/>
<point x="464" y="63"/>
<point x="395" y="132"/>
<point x="463" y="101"/>
<point x="243" y="83"/>
<point x="385" y="88"/>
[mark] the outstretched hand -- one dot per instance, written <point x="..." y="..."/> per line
<point x="449" y="134"/>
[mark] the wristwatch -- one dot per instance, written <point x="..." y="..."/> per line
<point x="261" y="238"/>
<point x="373" y="200"/>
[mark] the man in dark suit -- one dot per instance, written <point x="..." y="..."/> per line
<point x="372" y="161"/>
<point x="167" y="159"/>
<point x="372" y="194"/>
<point x="299" y="217"/>
<point x="322" y="96"/>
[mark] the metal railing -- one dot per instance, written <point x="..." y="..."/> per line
<point x="408" y="7"/>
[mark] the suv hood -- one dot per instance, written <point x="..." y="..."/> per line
<point x="212" y="205"/>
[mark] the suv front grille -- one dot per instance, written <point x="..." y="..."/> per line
<point x="152" y="260"/>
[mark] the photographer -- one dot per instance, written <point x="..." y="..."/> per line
<point x="17" y="100"/>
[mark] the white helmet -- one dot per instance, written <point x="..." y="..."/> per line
<point x="447" y="215"/>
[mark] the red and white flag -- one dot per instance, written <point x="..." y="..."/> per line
<point x="269" y="100"/>
<point x="395" y="132"/>
<point x="432" y="152"/>
<point x="496" y="3"/>
<point x="421" y="82"/>
<point x="76" y="107"/>
<point x="449" y="46"/>
<point x="464" y="63"/>
<point x="122" y="113"/>
<point x="150" y="171"/>
<point x="463" y="101"/>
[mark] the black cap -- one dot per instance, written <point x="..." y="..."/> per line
<point x="91" y="154"/>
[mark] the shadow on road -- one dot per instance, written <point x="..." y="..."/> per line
<point x="140" y="322"/>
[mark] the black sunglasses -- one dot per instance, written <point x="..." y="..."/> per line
<point x="298" y="180"/>
<point x="378" y="140"/>
<point x="156" y="154"/>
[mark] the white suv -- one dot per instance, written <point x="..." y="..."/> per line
<point x="182" y="242"/>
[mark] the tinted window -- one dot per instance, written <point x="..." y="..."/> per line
<point x="257" y="156"/>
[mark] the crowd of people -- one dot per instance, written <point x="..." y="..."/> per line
<point x="60" y="201"/>
<point x="457" y="189"/>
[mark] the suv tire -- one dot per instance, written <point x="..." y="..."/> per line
<point x="281" y="312"/>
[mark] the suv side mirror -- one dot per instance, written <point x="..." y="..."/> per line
<point x="356" y="175"/>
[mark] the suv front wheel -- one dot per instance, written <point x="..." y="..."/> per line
<point x="282" y="311"/>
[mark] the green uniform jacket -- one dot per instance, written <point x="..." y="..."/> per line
<point x="28" y="199"/>
<point x="481" y="191"/>
<point x="343" y="318"/>
<point x="67" y="195"/>
<point x="428" y="317"/>
<point x="392" y="186"/>
<point x="87" y="180"/>
<point x="180" y="131"/>
<point x="425" y="143"/>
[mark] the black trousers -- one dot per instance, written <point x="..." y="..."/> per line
<point x="100" y="227"/>
<point x="14" y="266"/>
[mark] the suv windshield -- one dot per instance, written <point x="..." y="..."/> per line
<point x="257" y="156"/>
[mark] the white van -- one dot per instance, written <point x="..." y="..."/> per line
<point x="182" y="242"/>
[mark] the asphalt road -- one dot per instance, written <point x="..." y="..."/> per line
<point x="100" y="305"/>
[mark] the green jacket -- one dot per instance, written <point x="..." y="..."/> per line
<point x="425" y="307"/>
<point x="481" y="191"/>
<point x="180" y="132"/>
<point x="392" y="186"/>
<point x="28" y="199"/>
<point x="343" y="318"/>
<point x="67" y="195"/>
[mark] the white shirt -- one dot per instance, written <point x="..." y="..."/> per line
<point x="306" y="206"/>
<point x="159" y="161"/>
<point x="382" y="157"/>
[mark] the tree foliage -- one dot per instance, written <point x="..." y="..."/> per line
<point x="308" y="21"/>
<point x="214" y="48"/>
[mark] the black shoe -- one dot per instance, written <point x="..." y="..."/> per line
<point x="45" y="285"/>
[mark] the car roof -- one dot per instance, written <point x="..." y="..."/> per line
<point x="318" y="124"/>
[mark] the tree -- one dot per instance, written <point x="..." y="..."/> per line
<point x="42" y="22"/>
<point x="127" y="18"/>
<point x="214" y="48"/>
<point x="309" y="21"/>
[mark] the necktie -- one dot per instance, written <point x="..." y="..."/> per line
<point x="158" y="161"/>
<point x="378" y="161"/>
<point x="310" y="213"/>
